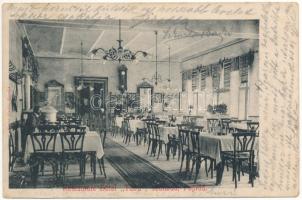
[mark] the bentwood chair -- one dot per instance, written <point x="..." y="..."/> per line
<point x="72" y="150"/>
<point x="243" y="151"/>
<point x="225" y="126"/>
<point x="212" y="124"/>
<point x="12" y="149"/>
<point x="113" y="127"/>
<point x="196" y="155"/>
<point x="151" y="136"/>
<point x="141" y="134"/>
<point x="253" y="126"/>
<point x="127" y="131"/>
<point x="184" y="135"/>
<point x="44" y="152"/>
<point x="158" y="141"/>
<point x="54" y="127"/>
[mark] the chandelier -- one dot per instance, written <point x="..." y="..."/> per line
<point x="120" y="53"/>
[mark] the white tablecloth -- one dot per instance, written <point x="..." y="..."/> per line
<point x="135" y="124"/>
<point x="212" y="145"/>
<point x="92" y="143"/>
<point x="239" y="125"/>
<point x="119" y="121"/>
<point x="165" y="131"/>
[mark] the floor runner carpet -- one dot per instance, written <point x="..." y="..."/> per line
<point x="138" y="172"/>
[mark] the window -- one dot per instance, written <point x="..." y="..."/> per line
<point x="203" y="75"/>
<point x="216" y="75"/>
<point x="194" y="79"/>
<point x="243" y="69"/>
<point x="186" y="75"/>
<point x="227" y="65"/>
<point x="183" y="82"/>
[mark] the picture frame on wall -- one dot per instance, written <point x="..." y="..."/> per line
<point x="157" y="98"/>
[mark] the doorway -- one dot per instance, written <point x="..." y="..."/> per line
<point x="90" y="95"/>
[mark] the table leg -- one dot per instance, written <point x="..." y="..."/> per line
<point x="93" y="157"/>
<point x="219" y="173"/>
<point x="168" y="150"/>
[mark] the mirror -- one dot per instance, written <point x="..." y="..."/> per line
<point x="145" y="92"/>
<point x="55" y="95"/>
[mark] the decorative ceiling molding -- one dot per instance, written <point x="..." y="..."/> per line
<point x="94" y="26"/>
<point x="227" y="44"/>
<point x="85" y="57"/>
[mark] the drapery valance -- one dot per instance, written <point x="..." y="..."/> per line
<point x="241" y="63"/>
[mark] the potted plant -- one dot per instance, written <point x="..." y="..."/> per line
<point x="219" y="109"/>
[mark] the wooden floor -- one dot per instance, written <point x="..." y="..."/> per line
<point x="172" y="167"/>
<point x="115" y="180"/>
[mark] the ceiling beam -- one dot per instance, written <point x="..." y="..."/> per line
<point x="62" y="40"/>
<point x="94" y="26"/>
<point x="133" y="39"/>
<point x="96" y="41"/>
<point x="47" y="56"/>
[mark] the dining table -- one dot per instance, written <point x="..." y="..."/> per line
<point x="238" y="125"/>
<point x="119" y="121"/>
<point x="213" y="146"/>
<point x="92" y="143"/>
<point x="135" y="124"/>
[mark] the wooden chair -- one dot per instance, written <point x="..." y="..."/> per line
<point x="54" y="127"/>
<point x="151" y="135"/>
<point x="253" y="126"/>
<point x="243" y="151"/>
<point x="12" y="149"/>
<point x="158" y="141"/>
<point x="141" y="134"/>
<point x="212" y="124"/>
<point x="113" y="127"/>
<point x="196" y="155"/>
<point x="72" y="150"/>
<point x="127" y="131"/>
<point x="184" y="135"/>
<point x="225" y="126"/>
<point x="44" y="152"/>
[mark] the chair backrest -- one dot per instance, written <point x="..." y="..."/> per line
<point x="184" y="135"/>
<point x="12" y="144"/>
<point x="212" y="124"/>
<point x="156" y="130"/>
<point x="196" y="128"/>
<point x="244" y="142"/>
<point x="49" y="127"/>
<point x="72" y="141"/>
<point x="151" y="129"/>
<point x="73" y="128"/>
<point x="194" y="142"/>
<point x="225" y="125"/>
<point x="253" y="126"/>
<point x="43" y="141"/>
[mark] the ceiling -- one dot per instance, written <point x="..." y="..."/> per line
<point x="62" y="39"/>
